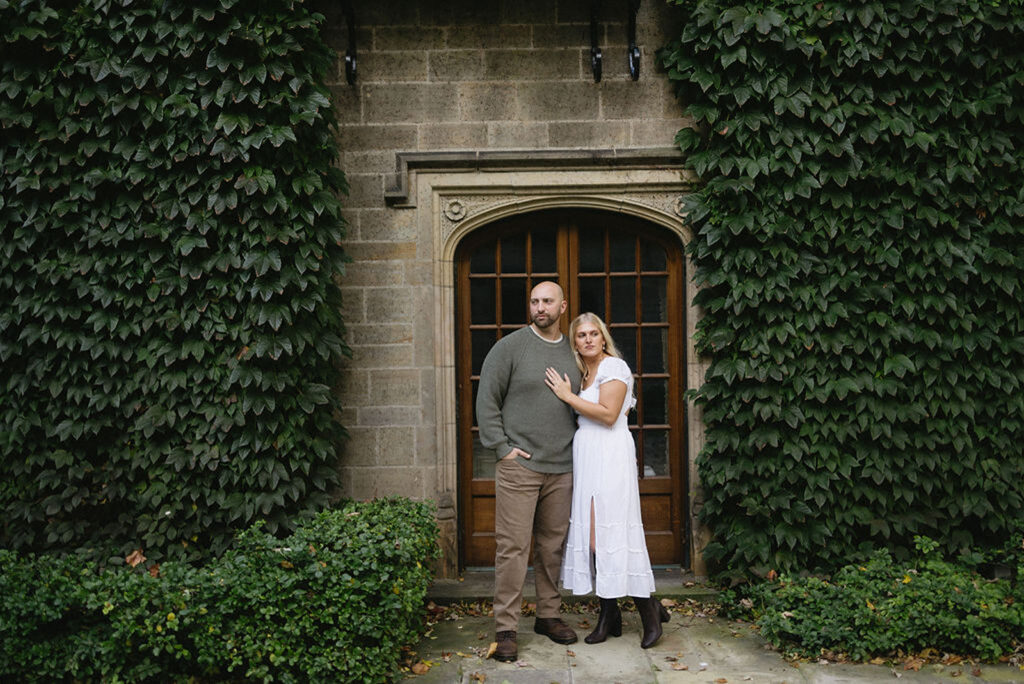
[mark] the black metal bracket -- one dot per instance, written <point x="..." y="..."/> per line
<point x="595" y="51"/>
<point x="350" y="54"/>
<point x="634" y="51"/>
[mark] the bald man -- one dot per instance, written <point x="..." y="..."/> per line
<point x="530" y="431"/>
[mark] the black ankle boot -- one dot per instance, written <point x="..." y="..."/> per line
<point x="650" y="617"/>
<point x="608" y="622"/>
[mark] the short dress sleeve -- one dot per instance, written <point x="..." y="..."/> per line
<point x="614" y="368"/>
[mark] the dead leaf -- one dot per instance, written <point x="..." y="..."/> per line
<point x="478" y="677"/>
<point x="490" y="650"/>
<point x="571" y="654"/>
<point x="913" y="664"/>
<point x="680" y="666"/>
<point x="721" y="680"/>
<point x="877" y="661"/>
<point x="772" y="575"/>
<point x="976" y="672"/>
<point x="154" y="570"/>
<point x="134" y="558"/>
<point x="420" y="668"/>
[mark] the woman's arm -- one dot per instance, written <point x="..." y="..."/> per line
<point x="611" y="394"/>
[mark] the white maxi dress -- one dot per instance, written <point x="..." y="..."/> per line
<point x="604" y="471"/>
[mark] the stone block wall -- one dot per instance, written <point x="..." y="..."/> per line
<point x="458" y="76"/>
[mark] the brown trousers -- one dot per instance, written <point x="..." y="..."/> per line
<point x="528" y="504"/>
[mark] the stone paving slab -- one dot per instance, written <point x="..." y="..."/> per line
<point x="696" y="648"/>
<point x="712" y="651"/>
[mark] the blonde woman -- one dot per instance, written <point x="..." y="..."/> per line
<point x="605" y="551"/>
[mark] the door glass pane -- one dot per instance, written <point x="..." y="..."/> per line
<point x="622" y="250"/>
<point x="482" y="341"/>
<point x="481" y="301"/>
<point x="654" y="400"/>
<point x="655" y="453"/>
<point x="483" y="459"/>
<point x="544" y="254"/>
<point x="592" y="296"/>
<point x="623" y="309"/>
<point x="625" y="340"/>
<point x="591" y="256"/>
<point x="514" y="302"/>
<point x="652" y="257"/>
<point x="653" y="351"/>
<point x="513" y="254"/>
<point x="482" y="259"/>
<point x="653" y="298"/>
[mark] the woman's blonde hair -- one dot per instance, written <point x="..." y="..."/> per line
<point x="609" y="345"/>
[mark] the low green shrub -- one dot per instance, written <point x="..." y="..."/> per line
<point x="337" y="600"/>
<point x="884" y="606"/>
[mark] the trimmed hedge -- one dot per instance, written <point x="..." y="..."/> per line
<point x="857" y="243"/>
<point x="335" y="601"/>
<point x="169" y="239"/>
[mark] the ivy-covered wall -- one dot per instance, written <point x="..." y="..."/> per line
<point x="169" y="239"/>
<point x="859" y="245"/>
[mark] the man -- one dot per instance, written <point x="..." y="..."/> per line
<point x="530" y="431"/>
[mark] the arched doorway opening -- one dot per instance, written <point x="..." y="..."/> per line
<point x="629" y="271"/>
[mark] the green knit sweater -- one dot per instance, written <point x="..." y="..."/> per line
<point x="514" y="408"/>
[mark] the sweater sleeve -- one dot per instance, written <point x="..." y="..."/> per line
<point x="490" y="397"/>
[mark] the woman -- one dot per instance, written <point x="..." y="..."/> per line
<point x="606" y="547"/>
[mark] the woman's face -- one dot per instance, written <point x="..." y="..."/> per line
<point x="589" y="340"/>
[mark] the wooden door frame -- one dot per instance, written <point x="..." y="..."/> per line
<point x="570" y="226"/>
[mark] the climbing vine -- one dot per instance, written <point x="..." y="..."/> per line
<point x="857" y="243"/>
<point x="169" y="239"/>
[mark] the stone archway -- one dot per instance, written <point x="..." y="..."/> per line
<point x="450" y="205"/>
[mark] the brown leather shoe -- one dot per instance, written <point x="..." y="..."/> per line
<point x="507" y="650"/>
<point x="555" y="629"/>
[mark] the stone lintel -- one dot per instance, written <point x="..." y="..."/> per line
<point x="399" y="190"/>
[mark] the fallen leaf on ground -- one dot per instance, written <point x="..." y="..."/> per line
<point x="913" y="664"/>
<point x="420" y="668"/>
<point x="134" y="558"/>
<point x="571" y="654"/>
<point x="680" y="666"/>
<point x="491" y="649"/>
<point x="478" y="677"/>
<point x="877" y="661"/>
<point x="721" y="680"/>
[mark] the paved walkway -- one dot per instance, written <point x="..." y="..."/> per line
<point x="695" y="648"/>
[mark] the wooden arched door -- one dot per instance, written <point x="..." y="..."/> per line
<point x="628" y="271"/>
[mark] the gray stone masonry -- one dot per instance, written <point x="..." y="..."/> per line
<point x="458" y="75"/>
